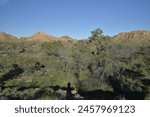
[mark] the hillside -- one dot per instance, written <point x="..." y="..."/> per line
<point x="41" y="67"/>
<point x="4" y="37"/>
<point x="39" y="36"/>
<point x="137" y="35"/>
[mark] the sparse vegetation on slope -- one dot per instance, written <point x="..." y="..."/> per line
<point x="100" y="67"/>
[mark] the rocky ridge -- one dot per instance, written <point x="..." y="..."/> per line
<point x="39" y="36"/>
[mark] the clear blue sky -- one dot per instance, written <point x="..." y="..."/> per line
<point x="76" y="18"/>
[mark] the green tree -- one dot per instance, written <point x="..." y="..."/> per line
<point x="96" y="34"/>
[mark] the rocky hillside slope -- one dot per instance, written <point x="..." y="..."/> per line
<point x="103" y="68"/>
<point x="137" y="35"/>
<point x="7" y="38"/>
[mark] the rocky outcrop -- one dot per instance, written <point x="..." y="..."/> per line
<point x="135" y="35"/>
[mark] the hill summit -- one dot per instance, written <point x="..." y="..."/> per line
<point x="39" y="36"/>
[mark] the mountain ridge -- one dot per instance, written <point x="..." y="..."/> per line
<point x="39" y="36"/>
<point x="42" y="36"/>
<point x="95" y="68"/>
<point x="135" y="35"/>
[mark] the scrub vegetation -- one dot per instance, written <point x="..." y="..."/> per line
<point x="100" y="67"/>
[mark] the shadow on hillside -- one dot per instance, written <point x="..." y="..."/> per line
<point x="68" y="91"/>
<point x="118" y="92"/>
<point x="87" y="95"/>
<point x="97" y="95"/>
<point x="107" y="95"/>
<point x="12" y="73"/>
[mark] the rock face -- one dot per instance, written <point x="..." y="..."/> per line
<point x="135" y="35"/>
<point x="4" y="37"/>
